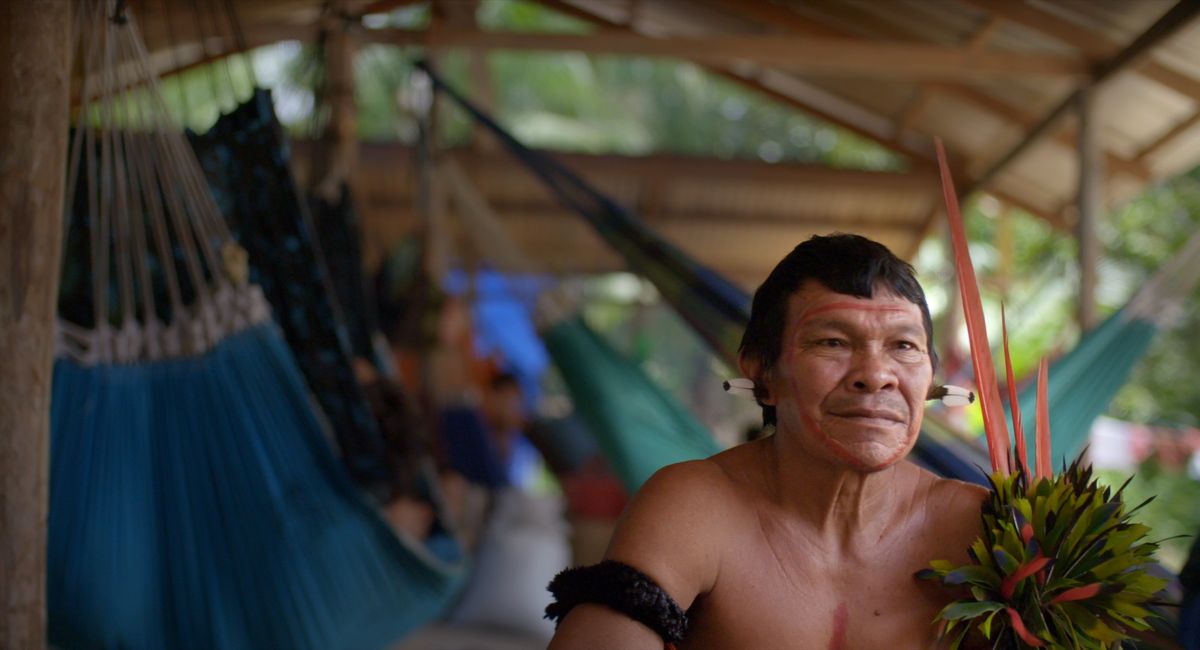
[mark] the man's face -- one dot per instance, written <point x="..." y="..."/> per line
<point x="852" y="377"/>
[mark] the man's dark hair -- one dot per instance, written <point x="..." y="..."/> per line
<point x="848" y="264"/>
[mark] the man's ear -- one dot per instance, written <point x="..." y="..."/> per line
<point x="751" y="369"/>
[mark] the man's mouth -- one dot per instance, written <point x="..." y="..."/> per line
<point x="879" y="417"/>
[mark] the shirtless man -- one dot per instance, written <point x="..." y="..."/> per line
<point x="808" y="538"/>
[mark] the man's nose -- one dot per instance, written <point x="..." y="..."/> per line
<point x="871" y="372"/>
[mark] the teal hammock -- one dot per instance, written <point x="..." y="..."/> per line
<point x="1084" y="381"/>
<point x="195" y="504"/>
<point x="714" y="307"/>
<point x="195" y="501"/>
<point x="641" y="427"/>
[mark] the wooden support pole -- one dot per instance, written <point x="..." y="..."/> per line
<point x="337" y="160"/>
<point x="1090" y="205"/>
<point x="34" y="73"/>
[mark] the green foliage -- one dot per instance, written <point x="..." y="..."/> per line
<point x="1059" y="564"/>
<point x="1172" y="514"/>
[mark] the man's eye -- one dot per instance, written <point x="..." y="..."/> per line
<point x="907" y="345"/>
<point x="831" y="343"/>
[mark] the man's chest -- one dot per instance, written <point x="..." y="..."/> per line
<point x="790" y="597"/>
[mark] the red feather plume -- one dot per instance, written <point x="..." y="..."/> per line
<point x="1044" y="469"/>
<point x="981" y="355"/>
<point x="1014" y="406"/>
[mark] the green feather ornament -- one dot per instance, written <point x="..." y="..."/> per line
<point x="1059" y="562"/>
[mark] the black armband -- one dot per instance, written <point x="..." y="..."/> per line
<point x="622" y="588"/>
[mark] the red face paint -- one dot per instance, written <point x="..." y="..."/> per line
<point x="834" y="306"/>
<point x="809" y="384"/>
<point x="846" y="455"/>
<point x="840" y="615"/>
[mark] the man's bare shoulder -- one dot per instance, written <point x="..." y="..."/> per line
<point x="686" y="496"/>
<point x="951" y="495"/>
<point x="958" y="496"/>
<point x="952" y="515"/>
<point x="678" y="526"/>
<point x="708" y="484"/>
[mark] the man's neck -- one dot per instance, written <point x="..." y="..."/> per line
<point x="846" y="507"/>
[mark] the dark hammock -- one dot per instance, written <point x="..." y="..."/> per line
<point x="246" y="159"/>
<point x="337" y="227"/>
<point x="717" y="309"/>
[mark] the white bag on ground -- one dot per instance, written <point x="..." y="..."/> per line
<point x="524" y="546"/>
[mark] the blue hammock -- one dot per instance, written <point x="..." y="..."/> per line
<point x="195" y="504"/>
<point x="716" y="308"/>
<point x="194" y="499"/>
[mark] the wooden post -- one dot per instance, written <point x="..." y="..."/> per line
<point x="34" y="74"/>
<point x="337" y="159"/>
<point x="1090" y="206"/>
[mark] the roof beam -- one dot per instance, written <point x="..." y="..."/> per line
<point x="661" y="167"/>
<point x="1092" y="44"/>
<point x="748" y="80"/>
<point x="816" y="55"/>
<point x="916" y="107"/>
<point x="770" y="14"/>
<point x="1164" y="27"/>
<point x="803" y="24"/>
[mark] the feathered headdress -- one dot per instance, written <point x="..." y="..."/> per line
<point x="1059" y="563"/>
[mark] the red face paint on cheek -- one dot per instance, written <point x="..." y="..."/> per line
<point x="827" y="441"/>
<point x="840" y="616"/>
<point x="832" y="445"/>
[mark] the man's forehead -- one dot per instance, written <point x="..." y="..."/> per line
<point x="813" y="301"/>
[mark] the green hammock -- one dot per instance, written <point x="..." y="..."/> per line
<point x="639" y="426"/>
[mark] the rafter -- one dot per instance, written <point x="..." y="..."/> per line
<point x="1002" y="109"/>
<point x="1168" y="136"/>
<point x="1093" y="44"/>
<point x="666" y="168"/>
<point x="921" y="159"/>
<point x="1164" y="27"/>
<point x="785" y="18"/>
<point x="915" y="108"/>
<point x="747" y="80"/>
<point x="817" y="55"/>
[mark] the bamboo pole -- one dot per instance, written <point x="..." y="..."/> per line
<point x="34" y="73"/>
<point x="1091" y="205"/>
<point x="337" y="161"/>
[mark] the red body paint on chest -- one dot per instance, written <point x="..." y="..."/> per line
<point x="838" y="641"/>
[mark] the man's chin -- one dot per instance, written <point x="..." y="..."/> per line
<point x="872" y="456"/>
